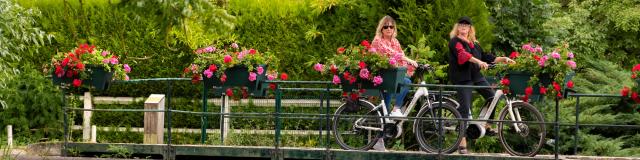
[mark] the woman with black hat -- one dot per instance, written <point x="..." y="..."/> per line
<point x="466" y="58"/>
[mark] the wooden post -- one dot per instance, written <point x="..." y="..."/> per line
<point x="10" y="136"/>
<point x="154" y="121"/>
<point x="93" y="134"/>
<point x="86" y="117"/>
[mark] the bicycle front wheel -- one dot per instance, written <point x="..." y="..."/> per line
<point x="357" y="126"/>
<point x="521" y="130"/>
<point x="437" y="129"/>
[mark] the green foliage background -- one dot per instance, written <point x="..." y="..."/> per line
<point x="157" y="40"/>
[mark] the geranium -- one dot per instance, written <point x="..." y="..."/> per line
<point x="357" y="64"/>
<point x="630" y="95"/>
<point x="80" y="63"/>
<point x="544" y="67"/>
<point x="212" y="62"/>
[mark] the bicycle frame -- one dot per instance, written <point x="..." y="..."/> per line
<point x="486" y="112"/>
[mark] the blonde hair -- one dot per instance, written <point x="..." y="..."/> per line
<point x="471" y="36"/>
<point x="382" y="22"/>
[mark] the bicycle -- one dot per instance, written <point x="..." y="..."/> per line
<point x="521" y="127"/>
<point x="353" y="131"/>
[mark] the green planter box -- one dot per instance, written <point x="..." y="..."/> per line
<point x="492" y="80"/>
<point x="99" y="78"/>
<point x="391" y="81"/>
<point x="519" y="82"/>
<point x="238" y="76"/>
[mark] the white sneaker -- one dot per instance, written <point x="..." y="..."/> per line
<point x="396" y="113"/>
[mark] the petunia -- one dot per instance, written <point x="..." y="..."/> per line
<point x="336" y="80"/>
<point x="252" y="76"/>
<point x="377" y="80"/>
<point x="260" y="70"/>
<point x="208" y="73"/>
<point x="364" y="73"/>
<point x="77" y="82"/>
<point x="318" y="67"/>
<point x="127" y="68"/>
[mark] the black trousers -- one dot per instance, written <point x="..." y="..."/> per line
<point x="465" y="96"/>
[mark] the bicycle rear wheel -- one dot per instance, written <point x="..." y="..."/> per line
<point x="357" y="126"/>
<point x="530" y="137"/>
<point x="433" y="138"/>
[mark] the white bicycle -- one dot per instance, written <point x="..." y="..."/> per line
<point x="357" y="125"/>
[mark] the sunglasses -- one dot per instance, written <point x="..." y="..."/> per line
<point x="387" y="27"/>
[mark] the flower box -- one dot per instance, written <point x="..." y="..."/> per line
<point x="392" y="78"/>
<point x="238" y="76"/>
<point x="519" y="82"/>
<point x="99" y="77"/>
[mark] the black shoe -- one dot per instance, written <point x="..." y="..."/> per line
<point x="490" y="132"/>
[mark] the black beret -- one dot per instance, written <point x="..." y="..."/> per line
<point x="464" y="20"/>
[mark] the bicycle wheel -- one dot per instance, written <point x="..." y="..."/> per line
<point x="530" y="137"/>
<point x="357" y="127"/>
<point x="433" y="138"/>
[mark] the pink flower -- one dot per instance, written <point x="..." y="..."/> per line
<point x="105" y="61"/>
<point x="393" y="61"/>
<point x="227" y="59"/>
<point x="223" y="78"/>
<point x="208" y="73"/>
<point x="234" y="45"/>
<point x="242" y="54"/>
<point x="373" y="50"/>
<point x="260" y="70"/>
<point x="126" y="77"/>
<point x="271" y="77"/>
<point x="127" y="68"/>
<point x="364" y="73"/>
<point x="377" y="80"/>
<point x="539" y="49"/>
<point x="252" y="76"/>
<point x="555" y="55"/>
<point x="571" y="64"/>
<point x="541" y="62"/>
<point x="336" y="79"/>
<point x="527" y="47"/>
<point x="210" y="49"/>
<point x="114" y="60"/>
<point x="104" y="53"/>
<point x="318" y="67"/>
<point x="570" y="55"/>
<point x="199" y="51"/>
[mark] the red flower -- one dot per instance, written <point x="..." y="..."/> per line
<point x="77" y="82"/>
<point x="195" y="78"/>
<point x="525" y="98"/>
<point x="625" y="91"/>
<point x="186" y="70"/>
<point x="252" y="51"/>
<point x="223" y="78"/>
<point x="341" y="50"/>
<point x="543" y="90"/>
<point x="556" y="86"/>
<point x="559" y="94"/>
<point x="570" y="84"/>
<point x="245" y="94"/>
<point x="362" y="65"/>
<point x="362" y="90"/>
<point x="365" y="43"/>
<point x="272" y="86"/>
<point x="634" y="95"/>
<point x="528" y="91"/>
<point x="514" y="55"/>
<point x="65" y="62"/>
<point x="69" y="74"/>
<point x="536" y="57"/>
<point x="284" y="76"/>
<point x="75" y="73"/>
<point x="227" y="59"/>
<point x="334" y="70"/>
<point x="80" y="66"/>
<point x="636" y="68"/>
<point x="505" y="81"/>
<point x="633" y="76"/>
<point x="354" y="96"/>
<point x="213" y="68"/>
<point x="229" y="92"/>
<point x="346" y="75"/>
<point x="352" y="79"/>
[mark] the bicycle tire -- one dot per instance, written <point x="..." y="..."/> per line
<point x="340" y="122"/>
<point x="451" y="142"/>
<point x="519" y="144"/>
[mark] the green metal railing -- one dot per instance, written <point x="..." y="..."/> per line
<point x="323" y="117"/>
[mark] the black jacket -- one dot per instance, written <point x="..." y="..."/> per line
<point x="467" y="71"/>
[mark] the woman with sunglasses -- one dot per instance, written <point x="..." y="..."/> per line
<point x="385" y="42"/>
<point x="466" y="58"/>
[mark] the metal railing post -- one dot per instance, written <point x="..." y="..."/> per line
<point x="556" y="129"/>
<point x="66" y="123"/>
<point x="203" y="134"/>
<point x="575" y="136"/>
